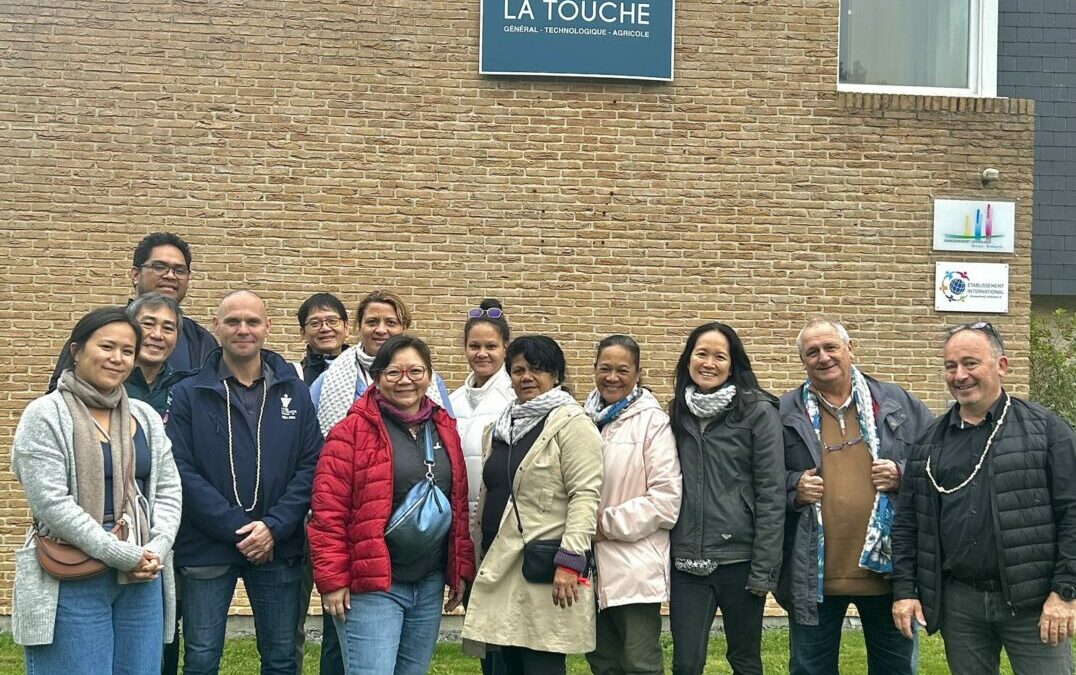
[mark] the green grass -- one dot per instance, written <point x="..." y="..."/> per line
<point x="241" y="657"/>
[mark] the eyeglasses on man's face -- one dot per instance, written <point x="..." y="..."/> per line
<point x="331" y="322"/>
<point x="394" y="375"/>
<point x="161" y="269"/>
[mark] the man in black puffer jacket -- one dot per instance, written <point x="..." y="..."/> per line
<point x="984" y="540"/>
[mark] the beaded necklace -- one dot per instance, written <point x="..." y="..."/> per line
<point x="982" y="457"/>
<point x="258" y="446"/>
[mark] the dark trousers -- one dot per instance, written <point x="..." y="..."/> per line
<point x="814" y="650"/>
<point x="628" y="641"/>
<point x="977" y="624"/>
<point x="523" y="661"/>
<point x="692" y="604"/>
<point x="332" y="661"/>
<point x="170" y="658"/>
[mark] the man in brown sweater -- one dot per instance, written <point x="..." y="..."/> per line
<point x="846" y="440"/>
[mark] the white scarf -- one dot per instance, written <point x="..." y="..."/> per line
<point x="709" y="405"/>
<point x="339" y="386"/>
<point x="519" y="418"/>
<point x="475" y="395"/>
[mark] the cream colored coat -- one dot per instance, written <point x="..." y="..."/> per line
<point x="640" y="502"/>
<point x="557" y="486"/>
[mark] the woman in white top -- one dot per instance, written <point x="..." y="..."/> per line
<point x="487" y="391"/>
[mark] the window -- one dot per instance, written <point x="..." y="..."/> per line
<point x="934" y="47"/>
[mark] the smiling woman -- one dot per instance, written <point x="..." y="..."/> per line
<point x="113" y="621"/>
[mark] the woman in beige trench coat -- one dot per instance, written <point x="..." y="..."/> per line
<point x="553" y="454"/>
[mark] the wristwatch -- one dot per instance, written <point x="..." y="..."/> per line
<point x="1066" y="591"/>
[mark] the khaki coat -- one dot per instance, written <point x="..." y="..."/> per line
<point x="557" y="487"/>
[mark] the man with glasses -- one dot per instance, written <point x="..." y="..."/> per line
<point x="162" y="264"/>
<point x="323" y="325"/>
<point x="846" y="440"/>
<point x="246" y="442"/>
<point x="984" y="542"/>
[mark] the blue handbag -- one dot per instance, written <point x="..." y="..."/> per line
<point x="422" y="520"/>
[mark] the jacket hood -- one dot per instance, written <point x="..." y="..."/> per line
<point x="281" y="369"/>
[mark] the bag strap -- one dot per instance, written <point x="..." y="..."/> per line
<point x="512" y="493"/>
<point x="428" y="451"/>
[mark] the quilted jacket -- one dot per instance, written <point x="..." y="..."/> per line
<point x="352" y="502"/>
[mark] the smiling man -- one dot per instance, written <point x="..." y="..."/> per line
<point x="984" y="542"/>
<point x="846" y="440"/>
<point x="323" y="326"/>
<point x="162" y="264"/>
<point x="153" y="377"/>
<point x="246" y="442"/>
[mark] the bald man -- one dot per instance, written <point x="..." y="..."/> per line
<point x="246" y="441"/>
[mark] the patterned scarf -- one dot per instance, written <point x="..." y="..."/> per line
<point x="709" y="405"/>
<point x="603" y="415"/>
<point x="347" y="379"/>
<point x="519" y="418"/>
<point x="425" y="409"/>
<point x="877" y="547"/>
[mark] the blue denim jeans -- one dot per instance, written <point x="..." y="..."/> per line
<point x="103" y="628"/>
<point x="977" y="624"/>
<point x="814" y="650"/>
<point x="393" y="632"/>
<point x="273" y="590"/>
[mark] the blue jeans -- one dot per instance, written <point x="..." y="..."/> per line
<point x="977" y="624"/>
<point x="273" y="590"/>
<point x="814" y="650"/>
<point x="393" y="632"/>
<point x="102" y="628"/>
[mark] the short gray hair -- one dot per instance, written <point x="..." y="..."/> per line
<point x="154" y="301"/>
<point x="837" y="327"/>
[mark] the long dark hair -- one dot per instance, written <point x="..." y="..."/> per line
<point x="740" y="374"/>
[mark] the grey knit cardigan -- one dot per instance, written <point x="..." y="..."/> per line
<point x="42" y="458"/>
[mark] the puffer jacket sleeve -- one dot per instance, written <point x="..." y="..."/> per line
<point x="769" y="487"/>
<point x="332" y="507"/>
<point x="581" y="469"/>
<point x="660" y="506"/>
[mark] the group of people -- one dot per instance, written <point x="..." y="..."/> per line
<point x="561" y="528"/>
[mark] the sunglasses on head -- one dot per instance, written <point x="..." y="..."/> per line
<point x="478" y="312"/>
<point x="984" y="326"/>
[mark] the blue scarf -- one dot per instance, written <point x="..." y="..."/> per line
<point x="604" y="415"/>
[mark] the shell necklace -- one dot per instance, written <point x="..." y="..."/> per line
<point x="258" y="446"/>
<point x="982" y="457"/>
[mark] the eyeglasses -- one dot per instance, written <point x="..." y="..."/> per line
<point x="395" y="374"/>
<point x="331" y="322"/>
<point x="846" y="444"/>
<point x="161" y="269"/>
<point x="478" y="312"/>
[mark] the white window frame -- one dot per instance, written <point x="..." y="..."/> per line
<point x="982" y="60"/>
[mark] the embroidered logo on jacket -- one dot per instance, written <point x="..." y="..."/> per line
<point x="286" y="413"/>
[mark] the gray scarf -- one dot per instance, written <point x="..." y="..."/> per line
<point x="80" y="396"/>
<point x="519" y="418"/>
<point x="709" y="405"/>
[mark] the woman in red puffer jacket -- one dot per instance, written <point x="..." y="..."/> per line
<point x="386" y="607"/>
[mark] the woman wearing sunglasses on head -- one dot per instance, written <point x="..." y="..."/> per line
<point x="726" y="546"/>
<point x="389" y="526"/>
<point x="541" y="481"/>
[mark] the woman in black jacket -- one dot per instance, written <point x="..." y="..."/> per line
<point x="726" y="546"/>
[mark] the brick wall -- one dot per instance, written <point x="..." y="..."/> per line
<point x="302" y="146"/>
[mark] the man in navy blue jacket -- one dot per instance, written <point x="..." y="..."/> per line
<point x="246" y="442"/>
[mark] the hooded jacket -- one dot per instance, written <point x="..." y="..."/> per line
<point x="290" y="442"/>
<point x="640" y="502"/>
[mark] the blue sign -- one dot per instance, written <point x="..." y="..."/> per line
<point x="630" y="39"/>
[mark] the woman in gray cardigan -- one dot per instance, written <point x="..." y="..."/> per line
<point x="72" y="450"/>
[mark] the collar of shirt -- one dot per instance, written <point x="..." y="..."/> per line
<point x="956" y="422"/>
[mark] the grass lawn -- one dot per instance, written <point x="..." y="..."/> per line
<point x="241" y="657"/>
